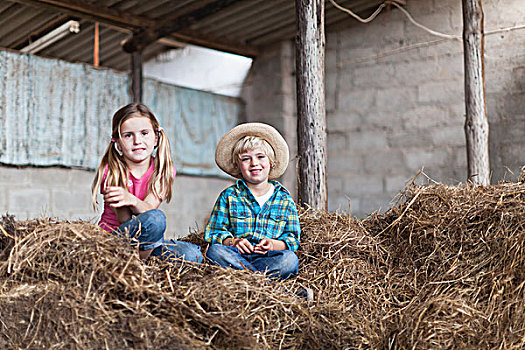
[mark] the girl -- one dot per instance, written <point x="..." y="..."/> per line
<point x="134" y="176"/>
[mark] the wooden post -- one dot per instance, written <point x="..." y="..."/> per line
<point x="311" y="112"/>
<point x="476" y="124"/>
<point x="136" y="76"/>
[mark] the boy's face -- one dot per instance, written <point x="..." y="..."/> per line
<point x="254" y="166"/>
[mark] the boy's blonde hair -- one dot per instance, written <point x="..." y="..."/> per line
<point x="162" y="179"/>
<point x="249" y="143"/>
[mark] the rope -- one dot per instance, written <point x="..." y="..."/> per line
<point x="363" y="20"/>
<point x="396" y="3"/>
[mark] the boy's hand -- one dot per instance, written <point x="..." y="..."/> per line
<point x="118" y="197"/>
<point x="244" y="246"/>
<point x="264" y="246"/>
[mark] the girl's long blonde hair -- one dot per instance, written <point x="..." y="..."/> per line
<point x="162" y="179"/>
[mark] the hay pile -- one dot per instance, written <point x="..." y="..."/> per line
<point x="444" y="268"/>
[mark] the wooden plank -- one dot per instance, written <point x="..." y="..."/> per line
<point x="311" y="111"/>
<point x="476" y="123"/>
<point x="147" y="36"/>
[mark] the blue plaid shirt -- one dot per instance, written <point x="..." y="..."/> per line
<point x="237" y="214"/>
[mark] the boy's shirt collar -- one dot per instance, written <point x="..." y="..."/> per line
<point x="241" y="185"/>
<point x="249" y="198"/>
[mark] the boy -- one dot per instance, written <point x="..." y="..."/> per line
<point x="254" y="224"/>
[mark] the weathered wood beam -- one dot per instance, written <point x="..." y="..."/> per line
<point x="476" y="123"/>
<point x="150" y="34"/>
<point x="91" y="12"/>
<point x="136" y="76"/>
<point x="220" y="44"/>
<point x="311" y="111"/>
<point x="41" y="30"/>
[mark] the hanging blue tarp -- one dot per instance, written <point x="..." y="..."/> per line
<point x="194" y="120"/>
<point x="58" y="113"/>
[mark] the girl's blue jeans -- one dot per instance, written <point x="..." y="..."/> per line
<point x="279" y="263"/>
<point x="147" y="231"/>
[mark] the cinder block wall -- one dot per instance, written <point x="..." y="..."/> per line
<point x="269" y="93"/>
<point x="66" y="194"/>
<point x="395" y="100"/>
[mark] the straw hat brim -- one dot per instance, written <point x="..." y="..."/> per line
<point x="224" y="151"/>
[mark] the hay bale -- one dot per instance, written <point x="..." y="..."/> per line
<point x="521" y="177"/>
<point x="457" y="252"/>
<point x="443" y="268"/>
<point x="107" y="297"/>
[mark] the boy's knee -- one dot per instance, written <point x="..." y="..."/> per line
<point x="219" y="254"/>
<point x="289" y="264"/>
<point x="215" y="251"/>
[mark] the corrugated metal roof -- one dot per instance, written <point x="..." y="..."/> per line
<point x="242" y="27"/>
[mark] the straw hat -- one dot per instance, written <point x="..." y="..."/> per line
<point x="224" y="151"/>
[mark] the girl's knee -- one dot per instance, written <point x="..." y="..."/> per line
<point x="154" y="220"/>
<point x="189" y="251"/>
<point x="149" y="229"/>
<point x="155" y="216"/>
<point x="173" y="250"/>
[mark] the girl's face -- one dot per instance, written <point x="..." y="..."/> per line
<point x="137" y="139"/>
<point x="255" y="166"/>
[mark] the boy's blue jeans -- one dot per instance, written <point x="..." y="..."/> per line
<point x="279" y="263"/>
<point x="147" y="231"/>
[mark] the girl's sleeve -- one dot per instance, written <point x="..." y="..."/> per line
<point x="216" y="230"/>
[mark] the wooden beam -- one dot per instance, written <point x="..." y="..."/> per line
<point x="41" y="30"/>
<point x="311" y="111"/>
<point x="476" y="123"/>
<point x="220" y="44"/>
<point x="136" y="76"/>
<point x="92" y="12"/>
<point x="147" y="36"/>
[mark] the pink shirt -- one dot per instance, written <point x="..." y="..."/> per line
<point x="137" y="187"/>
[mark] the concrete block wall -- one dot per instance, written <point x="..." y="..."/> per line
<point x="269" y="93"/>
<point x="63" y="193"/>
<point x="395" y="100"/>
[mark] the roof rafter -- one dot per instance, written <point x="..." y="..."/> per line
<point x="150" y="34"/>
<point x="164" y="30"/>
<point x="92" y="12"/>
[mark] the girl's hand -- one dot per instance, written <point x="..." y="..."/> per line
<point x="244" y="246"/>
<point x="264" y="246"/>
<point x="118" y="197"/>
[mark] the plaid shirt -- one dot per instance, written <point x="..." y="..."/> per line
<point x="237" y="214"/>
